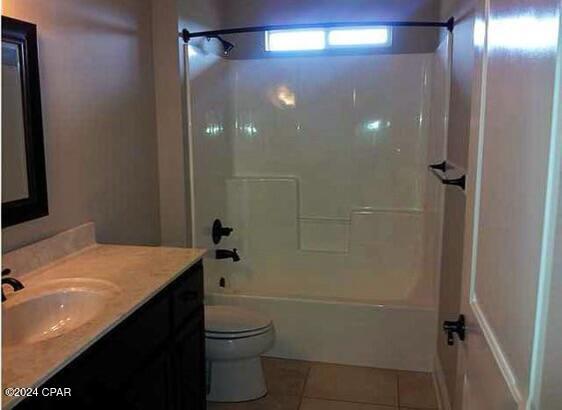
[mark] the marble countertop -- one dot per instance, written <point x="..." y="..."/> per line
<point x="139" y="272"/>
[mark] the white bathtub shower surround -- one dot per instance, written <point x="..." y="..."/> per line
<point x="434" y="197"/>
<point x="319" y="163"/>
<point x="352" y="129"/>
<point x="351" y="132"/>
<point x="337" y="331"/>
<point x="380" y="255"/>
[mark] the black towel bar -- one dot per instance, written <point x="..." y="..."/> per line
<point x="443" y="167"/>
<point x="460" y="182"/>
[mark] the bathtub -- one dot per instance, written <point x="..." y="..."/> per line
<point x="385" y="335"/>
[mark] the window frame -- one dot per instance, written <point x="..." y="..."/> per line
<point x="328" y="46"/>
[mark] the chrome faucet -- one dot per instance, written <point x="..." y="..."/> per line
<point x="226" y="253"/>
<point x="13" y="282"/>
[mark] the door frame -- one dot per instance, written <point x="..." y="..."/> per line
<point x="549" y="237"/>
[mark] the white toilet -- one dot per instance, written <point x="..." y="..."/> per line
<point x="234" y="340"/>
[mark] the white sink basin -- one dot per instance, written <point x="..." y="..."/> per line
<point x="53" y="308"/>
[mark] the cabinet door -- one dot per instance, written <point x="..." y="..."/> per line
<point x="87" y="391"/>
<point x="189" y="360"/>
<point x="151" y="388"/>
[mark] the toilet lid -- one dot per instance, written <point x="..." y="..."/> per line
<point x="233" y="319"/>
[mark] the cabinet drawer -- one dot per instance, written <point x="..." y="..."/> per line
<point x="187" y="294"/>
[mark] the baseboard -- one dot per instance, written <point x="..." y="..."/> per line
<point x="441" y="392"/>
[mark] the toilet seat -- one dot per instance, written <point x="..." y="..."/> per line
<point x="237" y="335"/>
<point x="233" y="322"/>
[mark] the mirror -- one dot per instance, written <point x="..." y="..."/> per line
<point x="24" y="186"/>
<point x="14" y="182"/>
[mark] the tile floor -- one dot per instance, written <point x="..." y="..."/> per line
<point x="297" y="385"/>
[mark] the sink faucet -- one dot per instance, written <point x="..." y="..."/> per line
<point x="226" y="253"/>
<point x="14" y="283"/>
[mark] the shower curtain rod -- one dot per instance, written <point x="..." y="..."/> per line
<point x="186" y="35"/>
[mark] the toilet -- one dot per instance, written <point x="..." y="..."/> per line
<point x="234" y="340"/>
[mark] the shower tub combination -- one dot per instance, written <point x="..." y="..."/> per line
<point x="319" y="165"/>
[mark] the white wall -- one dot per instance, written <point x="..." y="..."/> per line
<point x="259" y="12"/>
<point x="242" y="12"/>
<point x="97" y="89"/>
<point x="170" y="117"/>
<point x="169" y="17"/>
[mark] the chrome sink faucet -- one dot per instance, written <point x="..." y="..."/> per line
<point x="13" y="282"/>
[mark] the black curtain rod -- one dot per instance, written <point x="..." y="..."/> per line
<point x="186" y="35"/>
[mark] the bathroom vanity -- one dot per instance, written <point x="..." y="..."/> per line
<point x="154" y="359"/>
<point x="139" y="337"/>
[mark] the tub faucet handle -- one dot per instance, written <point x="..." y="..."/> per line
<point x="219" y="231"/>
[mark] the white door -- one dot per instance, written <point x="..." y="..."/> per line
<point x="516" y="49"/>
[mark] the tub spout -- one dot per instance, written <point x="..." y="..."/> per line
<point x="226" y="254"/>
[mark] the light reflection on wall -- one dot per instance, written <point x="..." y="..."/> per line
<point x="202" y="55"/>
<point x="479" y="33"/>
<point x="249" y="130"/>
<point x="245" y="124"/>
<point x="373" y="125"/>
<point x="524" y="32"/>
<point x="192" y="51"/>
<point x="371" y="129"/>
<point x="283" y="97"/>
<point x="213" y="124"/>
<point x="213" y="130"/>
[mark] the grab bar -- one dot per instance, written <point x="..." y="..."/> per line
<point x="443" y="167"/>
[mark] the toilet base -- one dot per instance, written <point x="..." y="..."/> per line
<point x="236" y="380"/>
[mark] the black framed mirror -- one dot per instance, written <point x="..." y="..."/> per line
<point x="24" y="181"/>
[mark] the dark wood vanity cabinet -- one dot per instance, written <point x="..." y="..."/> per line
<point x="154" y="359"/>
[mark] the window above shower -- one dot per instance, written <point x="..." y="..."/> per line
<point x="323" y="39"/>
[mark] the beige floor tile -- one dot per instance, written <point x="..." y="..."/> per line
<point x="416" y="390"/>
<point x="318" y="404"/>
<point x="269" y="402"/>
<point x="350" y="383"/>
<point x="285" y="377"/>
